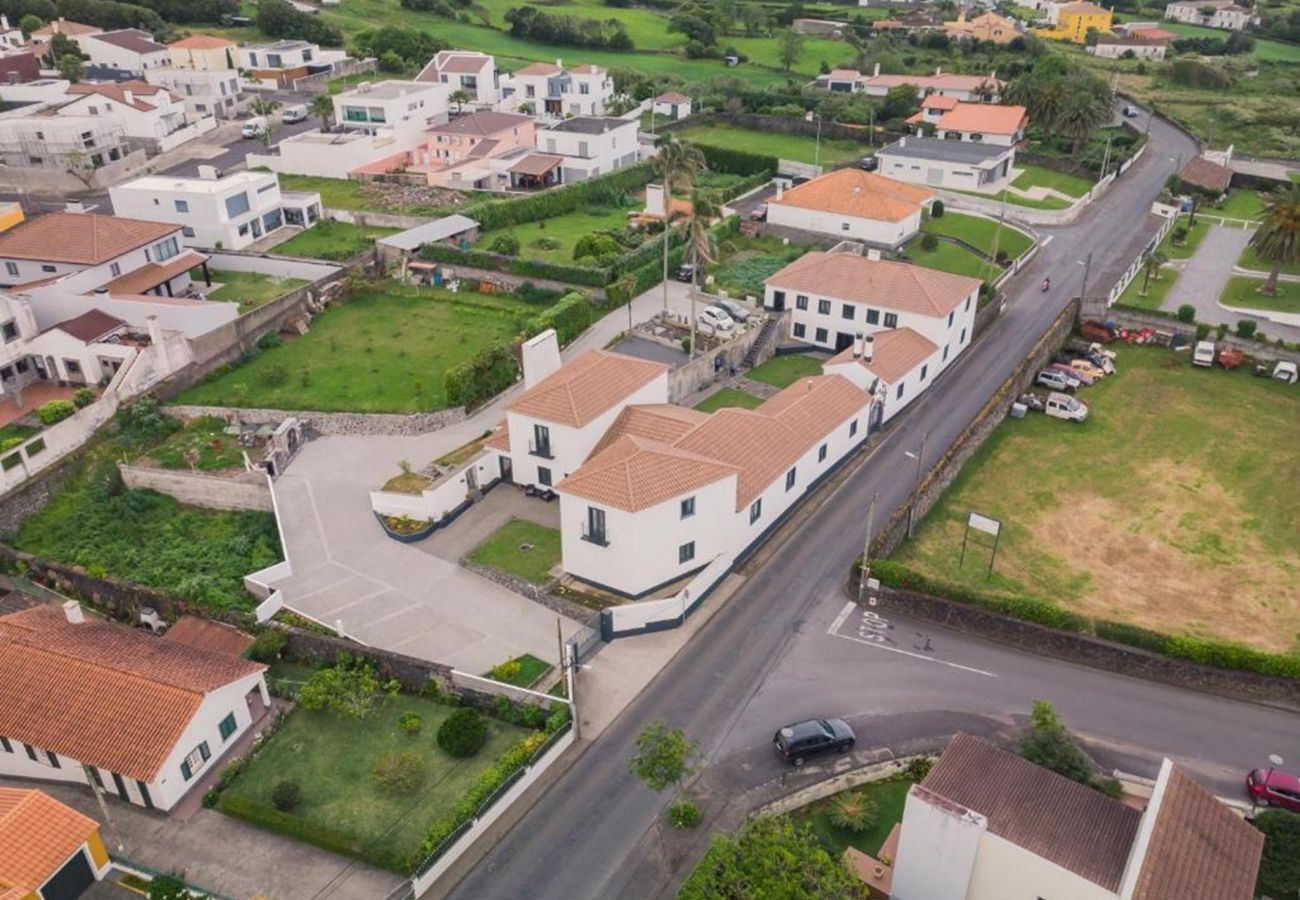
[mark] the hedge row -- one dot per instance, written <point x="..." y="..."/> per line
<point x="607" y="190"/>
<point x="307" y="831"/>
<point x="650" y="274"/>
<point x="481" y="377"/>
<point x="738" y="162"/>
<point x="1206" y="652"/>
<point x="591" y="276"/>
<point x="569" y="317"/>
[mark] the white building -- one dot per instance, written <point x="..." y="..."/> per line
<point x="836" y="297"/>
<point x="11" y="36"/>
<point x="129" y="50"/>
<point x="331" y="155"/>
<point x="672" y="106"/>
<point x="61" y="143"/>
<point x="986" y="824"/>
<point x="1131" y="48"/>
<point x="894" y="365"/>
<point x="967" y="88"/>
<point x="143" y="717"/>
<point x="590" y="146"/>
<point x="83" y="350"/>
<point x="554" y="92"/>
<point x="987" y="123"/>
<point x="406" y="108"/>
<point x="850" y="204"/>
<point x="465" y="70"/>
<point x="1225" y="14"/>
<point x="150" y="114"/>
<point x="958" y="165"/>
<point x="228" y="212"/>
<point x="205" y="92"/>
<point x="282" y="63"/>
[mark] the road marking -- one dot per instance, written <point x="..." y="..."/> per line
<point x="1047" y="240"/>
<point x="873" y="625"/>
<point x="844" y="614"/>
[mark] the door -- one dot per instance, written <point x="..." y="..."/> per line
<point x="507" y="469"/>
<point x="70" y="881"/>
<point x="843" y="341"/>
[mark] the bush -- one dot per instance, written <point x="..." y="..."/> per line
<point x="684" y="814"/>
<point x="1202" y="331"/>
<point x="1279" y="869"/>
<point x="853" y="811"/>
<point x="463" y="733"/>
<point x="410" y="723"/>
<point x="1133" y="635"/>
<point x="83" y="397"/>
<point x="569" y="317"/>
<point x="738" y="162"/>
<point x="269" y="341"/>
<point x="286" y="795"/>
<point x="399" y="772"/>
<point x="929" y="242"/>
<point x="507" y="671"/>
<point x="936" y="209"/>
<point x="267" y="645"/>
<point x="1180" y="234"/>
<point x="483" y="376"/>
<point x="1246" y="328"/>
<point x="505" y="244"/>
<point x="918" y="768"/>
<point x="1186" y="313"/>
<point x="169" y="887"/>
<point x="608" y="190"/>
<point x="55" y="411"/>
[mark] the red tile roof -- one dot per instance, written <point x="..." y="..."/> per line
<point x="885" y="283"/>
<point x="853" y="192"/>
<point x="205" y="634"/>
<point x="80" y="238"/>
<point x="1203" y="173"/>
<point x="117" y="91"/>
<point x="203" y="42"/>
<point x="37" y="834"/>
<point x="894" y="353"/>
<point x="586" y="386"/>
<point x="986" y="118"/>
<point x="150" y="275"/>
<point x="91" y="326"/>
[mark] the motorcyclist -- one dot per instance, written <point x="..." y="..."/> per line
<point x="1047" y="284"/>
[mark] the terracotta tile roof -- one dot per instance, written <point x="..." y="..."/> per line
<point x="117" y="91"/>
<point x="80" y="238"/>
<point x="536" y="164"/>
<point x="663" y="422"/>
<point x="1203" y="173"/>
<point x="1062" y="821"/>
<point x="884" y="283"/>
<point x="100" y="693"/>
<point x="853" y="192"/>
<point x="90" y="326"/>
<point x="673" y="97"/>
<point x="1152" y="34"/>
<point x="539" y="69"/>
<point x="460" y="61"/>
<point x="203" y="42"/>
<point x="894" y="353"/>
<point x="844" y="75"/>
<point x="586" y="386"/>
<point x="500" y="439"/>
<point x="1199" y="848"/>
<point x="205" y="634"/>
<point x="150" y="275"/>
<point x="63" y="26"/>
<point x="988" y="118"/>
<point x="939" y="101"/>
<point x="484" y="122"/>
<point x="635" y="473"/>
<point x="38" y="834"/>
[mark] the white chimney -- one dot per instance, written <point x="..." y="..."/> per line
<point x="129" y="96"/>
<point x="541" y="357"/>
<point x="559" y="63"/>
<point x="72" y="611"/>
<point x="780" y="190"/>
<point x="873" y="254"/>
<point x="902" y="142"/>
<point x="654" y="200"/>
<point x="74" y="206"/>
<point x="875" y="71"/>
<point x="208" y="173"/>
<point x="857" y="345"/>
<point x="868" y="349"/>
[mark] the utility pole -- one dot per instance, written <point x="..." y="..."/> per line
<point x="103" y="808"/>
<point x="569" y="666"/>
<point x="817" y="152"/>
<point x="1105" y="160"/>
<point x="916" y="490"/>
<point x="1083" y="289"/>
<point x="866" y="550"/>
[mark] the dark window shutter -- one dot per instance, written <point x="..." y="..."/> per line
<point x="31" y="753"/>
<point x="54" y="759"/>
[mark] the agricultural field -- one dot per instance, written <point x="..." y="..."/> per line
<point x="745" y="262"/>
<point x="783" y="146"/>
<point x="384" y="350"/>
<point x="1165" y="509"/>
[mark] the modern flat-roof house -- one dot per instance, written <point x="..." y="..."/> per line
<point x="229" y="212"/>
<point x="281" y="63"/>
<point x="204" y="53"/>
<point x="1212" y="14"/>
<point x="590" y="146"/>
<point x="554" y="92"/>
<point x="51" y="852"/>
<point x="959" y="165"/>
<point x="986" y="824"/>
<point x="83" y="700"/>
<point x="406" y="108"/>
<point x="850" y="204"/>
<point x="987" y="123"/>
<point x="465" y="70"/>
<point x="205" y="92"/>
<point x="127" y="50"/>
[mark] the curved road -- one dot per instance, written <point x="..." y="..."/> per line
<point x="768" y="656"/>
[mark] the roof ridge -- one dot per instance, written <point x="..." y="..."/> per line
<point x="19" y="640"/>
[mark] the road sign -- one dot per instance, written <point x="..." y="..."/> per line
<point x="984" y="524"/>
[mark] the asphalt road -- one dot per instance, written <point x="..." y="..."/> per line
<point x="768" y="658"/>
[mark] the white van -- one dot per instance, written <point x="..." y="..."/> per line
<point x="254" y="127"/>
<point x="294" y="114"/>
<point x="1063" y="406"/>
<point x="1203" y="355"/>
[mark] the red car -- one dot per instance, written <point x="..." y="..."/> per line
<point x="1273" y="787"/>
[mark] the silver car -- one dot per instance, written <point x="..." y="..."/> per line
<point x="735" y="310"/>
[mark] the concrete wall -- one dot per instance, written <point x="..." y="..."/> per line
<point x="59" y="180"/>
<point x="375" y="219"/>
<point x="688" y="378"/>
<point x="844" y="227"/>
<point x="276" y="266"/>
<point x="331" y="422"/>
<point x="1004" y="869"/>
<point x="247" y="490"/>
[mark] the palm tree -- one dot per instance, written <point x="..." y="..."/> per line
<point x="263" y="107"/>
<point x="322" y="106"/>
<point x="852" y="811"/>
<point x="676" y="164"/>
<point x="1277" y="240"/>
<point x="1081" y="112"/>
<point x="460" y="97"/>
<point x="1151" y="268"/>
<point x="699" y="241"/>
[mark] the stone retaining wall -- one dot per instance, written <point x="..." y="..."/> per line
<point x="366" y="218"/>
<point x="246" y="490"/>
<point x="330" y="423"/>
<point x="1130" y="318"/>
<point x="30" y="497"/>
<point x="536" y="593"/>
<point x="690" y="377"/>
<point x="320" y="649"/>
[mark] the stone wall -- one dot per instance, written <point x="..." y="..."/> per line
<point x="375" y="219"/>
<point x="246" y="490"/>
<point x="1090" y="651"/>
<point x="1130" y="318"/>
<point x="413" y="674"/>
<point x="536" y="593"/>
<point x="393" y="424"/>
<point x="690" y="377"/>
<point x="30" y="497"/>
<point x="470" y="273"/>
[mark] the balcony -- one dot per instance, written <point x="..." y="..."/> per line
<point x="542" y="450"/>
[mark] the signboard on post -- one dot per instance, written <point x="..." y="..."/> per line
<point x="987" y="525"/>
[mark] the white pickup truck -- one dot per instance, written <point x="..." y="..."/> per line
<point x="1203" y="355"/>
<point x="1063" y="406"/>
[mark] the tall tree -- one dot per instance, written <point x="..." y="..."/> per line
<point x="1082" y="111"/>
<point x="71" y="68"/>
<point x="702" y="248"/>
<point x="1049" y="745"/>
<point x="460" y="97"/>
<point x="1151" y="268"/>
<point x="1277" y="240"/>
<point x="264" y="107"/>
<point x="322" y="107"/>
<point x="663" y="756"/>
<point x="789" y="47"/>
<point x="676" y="163"/>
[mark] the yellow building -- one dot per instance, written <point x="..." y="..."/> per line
<point x="203" y="53"/>
<point x="1075" y="20"/>
<point x="988" y="27"/>
<point x="11" y="214"/>
<point x="47" y="850"/>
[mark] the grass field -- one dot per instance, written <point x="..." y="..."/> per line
<point x="1267" y="51"/>
<point x="783" y="146"/>
<point x="335" y="193"/>
<point x="1195" y="234"/>
<point x="249" y="289"/>
<point x="504" y="550"/>
<point x="948" y="257"/>
<point x="382" y="351"/>
<point x="728" y="396"/>
<point x="206" y="439"/>
<point x="332" y="240"/>
<point x="563" y="230"/>
<point x="1241" y="204"/>
<point x="980" y="232"/>
<point x="1156" y="290"/>
<point x="522" y="671"/>
<point x="1249" y="260"/>
<point x="1017" y="200"/>
<point x="1243" y="293"/>
<point x="1165" y="509"/>
<point x="888" y="798"/>
<point x="783" y="371"/>
<point x="331" y="757"/>
<point x="1038" y="176"/>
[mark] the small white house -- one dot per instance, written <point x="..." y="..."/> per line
<point x="1212" y="14"/>
<point x="83" y="350"/>
<point x="406" y="108"/>
<point x="987" y="123"/>
<point x="205" y="92"/>
<point x="936" y="163"/>
<point x="590" y="146"/>
<point x="280" y="64"/>
<point x="554" y="92"/>
<point x="465" y="70"/>
<point x="850" y="204"/>
<point x="129" y="50"/>
<point x="1128" y="48"/>
<point x="672" y="106"/>
<point x="143" y="717"/>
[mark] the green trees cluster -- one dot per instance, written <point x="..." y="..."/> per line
<point x="1063" y="97"/>
<point x="772" y="858"/>
<point x="398" y="49"/>
<point x="350" y="688"/>
<point x="278" y="19"/>
<point x="530" y="23"/>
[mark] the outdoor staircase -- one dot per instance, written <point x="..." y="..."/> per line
<point x="765" y="336"/>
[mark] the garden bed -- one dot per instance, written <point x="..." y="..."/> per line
<point x="406" y="530"/>
<point x="887" y="798"/>
<point x="202" y="445"/>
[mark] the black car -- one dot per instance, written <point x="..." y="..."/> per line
<point x="795" y="743"/>
<point x="686" y="272"/>
<point x="868" y="164"/>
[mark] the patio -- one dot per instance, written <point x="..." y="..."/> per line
<point x="483" y="519"/>
<point x="34" y="395"/>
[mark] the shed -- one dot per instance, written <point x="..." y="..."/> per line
<point x="454" y="229"/>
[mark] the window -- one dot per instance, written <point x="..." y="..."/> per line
<point x="790" y="479"/>
<point x="268" y="187"/>
<point x="821" y="453"/>
<point x="192" y="763"/>
<point x="165" y="250"/>
<point x="891" y="320"/>
<point x="945" y="352"/>
<point x="9" y="330"/>
<point x="688" y="507"/>
<point x="49" y="269"/>
<point x="541" y="445"/>
<point x="846" y="311"/>
<point x="686" y="552"/>
<point x="544" y="476"/>
<point x="182" y="206"/>
<point x="596" y="526"/>
<point x="144" y="794"/>
<point x="800" y="302"/>
<point x="968" y="304"/>
<point x="21" y="365"/>
<point x="584" y="88"/>
<point x="873" y="317"/>
<point x="237" y="205"/>
<point x="187" y="231"/>
<point x="31" y="752"/>
<point x="54" y="759"/>
<point x="963" y="335"/>
<point x="227" y="727"/>
<point x="899" y="395"/>
<point x="924" y="369"/>
<point x="820" y="336"/>
<point x="755" y="510"/>
<point x="853" y="428"/>
<point x="824" y="307"/>
<point x="778" y="299"/>
<point x="950" y="315"/>
<point x="115" y="269"/>
<point x="8" y="747"/>
<point x="11" y="268"/>
<point x="800" y="329"/>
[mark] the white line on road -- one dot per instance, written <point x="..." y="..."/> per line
<point x="848" y="608"/>
<point x="844" y="614"/>
<point x="1047" y="240"/>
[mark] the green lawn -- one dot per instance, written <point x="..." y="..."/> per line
<point x="1267" y="51"/>
<point x="332" y="240"/>
<point x="522" y="671"/>
<point x="1249" y="260"/>
<point x="552" y="240"/>
<point x="1164" y="509"/>
<point x="331" y="757"/>
<point x="384" y="350"/>
<point x="948" y="257"/>
<point x="888" y="797"/>
<point x="728" y="396"/>
<point x="1241" y="204"/>
<point x="1156" y="290"/>
<point x="249" y="289"/>
<point x="784" y="146"/>
<point x="204" y="437"/>
<point x="1243" y="293"/>
<point x="1039" y="176"/>
<point x="783" y="371"/>
<point x="379" y="196"/>
<point x="1195" y="234"/>
<point x="505" y="550"/>
<point x="980" y="232"/>
<point x="335" y="193"/>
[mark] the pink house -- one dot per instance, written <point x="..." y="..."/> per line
<point x="469" y="152"/>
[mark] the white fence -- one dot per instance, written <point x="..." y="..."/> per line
<point x="656" y="615"/>
<point x="1170" y="216"/>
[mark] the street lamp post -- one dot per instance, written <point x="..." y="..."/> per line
<point x="817" y="151"/>
<point x="866" y="550"/>
<point x="1083" y="288"/>
<point x="919" y="456"/>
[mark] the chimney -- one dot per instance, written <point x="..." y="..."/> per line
<point x="875" y="71"/>
<point x="938" y="70"/>
<point x="559" y="64"/>
<point x="128" y="96"/>
<point x="902" y="142"/>
<point x="72" y="611"/>
<point x="868" y="349"/>
<point x="873" y="254"/>
<point x="780" y="189"/>
<point x="74" y="206"/>
<point x="857" y="346"/>
<point x="208" y="173"/>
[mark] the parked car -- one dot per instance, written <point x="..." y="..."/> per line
<point x="735" y="310"/>
<point x="1063" y="406"/>
<point x="1086" y="367"/>
<point x="715" y="320"/>
<point x="1230" y="358"/>
<point x="795" y="743"/>
<point x="868" y="164"/>
<point x="1057" y="381"/>
<point x="759" y="213"/>
<point x="686" y="272"/>
<point x="1097" y="331"/>
<point x="1286" y="373"/>
<point x="1203" y="355"/>
<point x="1077" y="377"/>
<point x="1130" y="112"/>
<point x="1273" y="787"/>
<point x="254" y="127"/>
<point x="294" y="114"/>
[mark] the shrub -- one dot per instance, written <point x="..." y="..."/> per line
<point x="569" y="317"/>
<point x="505" y="244"/>
<point x="936" y="209"/>
<point x="1279" y="869"/>
<point x="684" y="814"/>
<point x="83" y="397"/>
<point x="463" y="733"/>
<point x="1187" y="313"/>
<point x="1133" y="635"/>
<point x="55" y="411"/>
<point x="507" y="671"/>
<point x="1220" y="330"/>
<point x="737" y="162"/>
<point x="1246" y="328"/>
<point x="918" y="768"/>
<point x="1202" y="331"/>
<point x="1180" y="234"/>
<point x="483" y="376"/>
<point x="852" y="810"/>
<point x="929" y="242"/>
<point x="600" y="246"/>
<point x="267" y="645"/>
<point x="286" y="795"/>
<point x="349" y="688"/>
<point x="399" y="772"/>
<point x="410" y="723"/>
<point x="169" y="887"/>
<point x="269" y="341"/>
<point x="1047" y="743"/>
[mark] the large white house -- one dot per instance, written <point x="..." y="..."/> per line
<point x="850" y="204"/>
<point x="554" y="92"/>
<point x="143" y="717"/>
<point x="228" y="212"/>
<point x="894" y="365"/>
<point x="986" y="824"/>
<point x="967" y="88"/>
<point x="590" y="146"/>
<point x="1212" y="14"/>
<point x="129" y="50"/>
<point x="960" y="165"/>
<point x="151" y="115"/>
<point x="405" y="108"/>
<point x="465" y="70"/>
<point x="987" y="123"/>
<point x="205" y="92"/>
